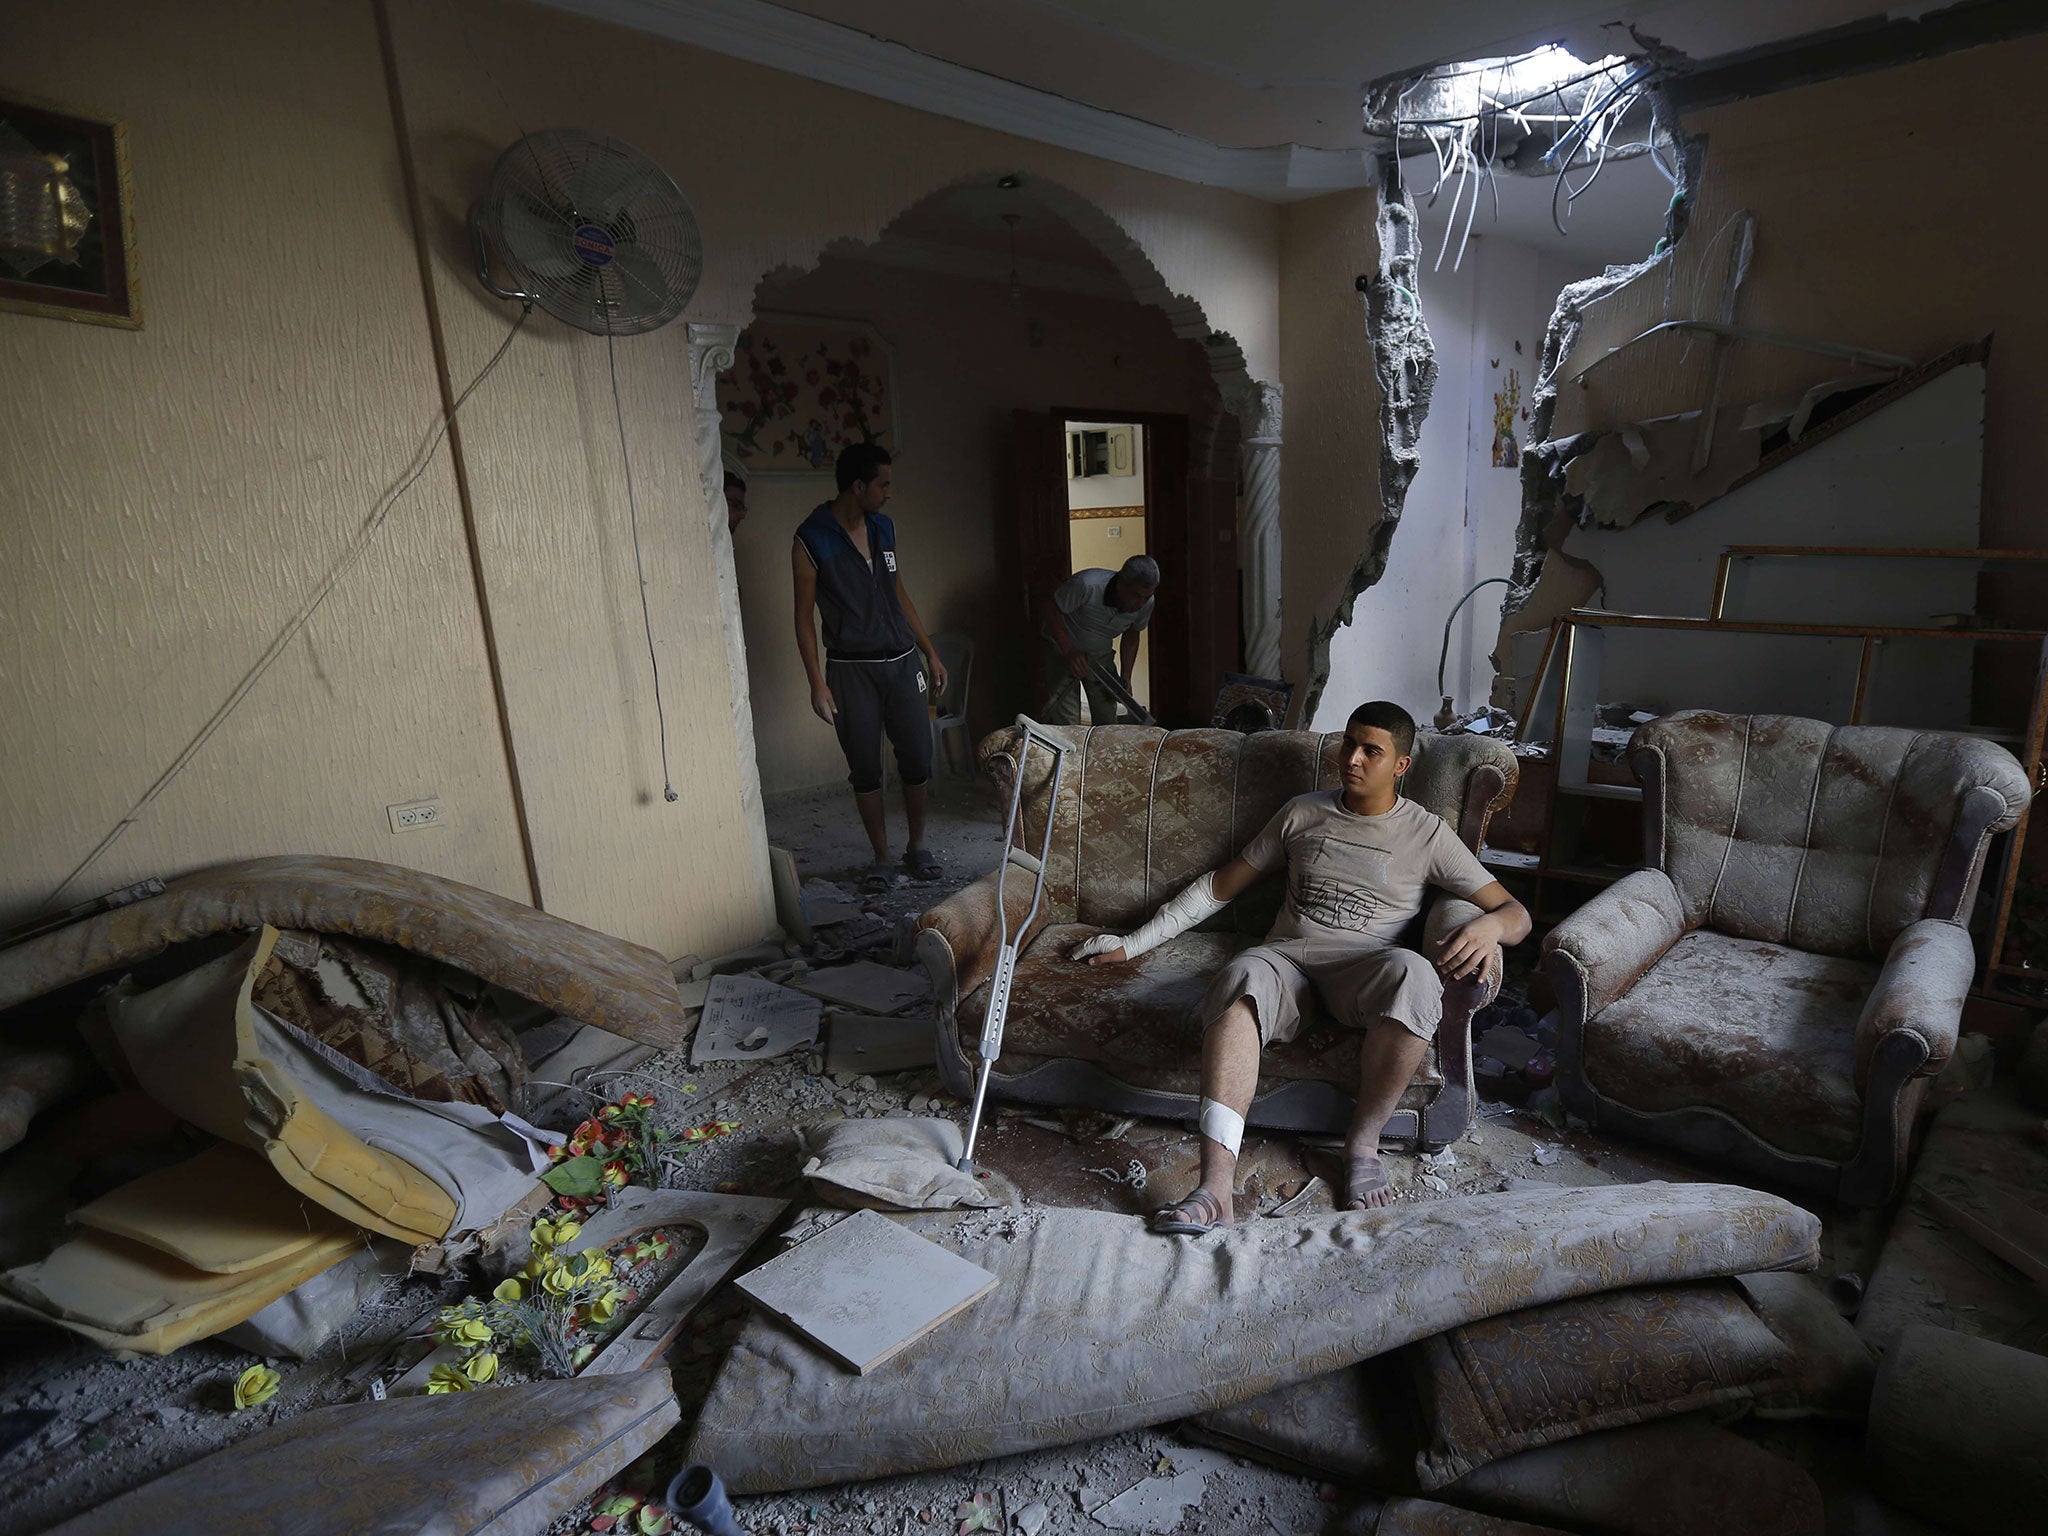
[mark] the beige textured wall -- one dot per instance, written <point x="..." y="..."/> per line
<point x="963" y="363"/>
<point x="1329" y="455"/>
<point x="778" y="167"/>
<point x="169" y="495"/>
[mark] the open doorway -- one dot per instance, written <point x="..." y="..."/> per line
<point x="1106" y="513"/>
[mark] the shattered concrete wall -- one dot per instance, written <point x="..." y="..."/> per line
<point x="1405" y="370"/>
<point x="1882" y="222"/>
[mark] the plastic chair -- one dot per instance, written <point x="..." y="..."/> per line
<point x="957" y="652"/>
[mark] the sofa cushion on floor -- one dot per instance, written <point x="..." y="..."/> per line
<point x="1505" y="1384"/>
<point x="1763" y="1025"/>
<point x="1097" y="1325"/>
<point x="1138" y="1021"/>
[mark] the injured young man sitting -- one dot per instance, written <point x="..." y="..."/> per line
<point x="1360" y="861"/>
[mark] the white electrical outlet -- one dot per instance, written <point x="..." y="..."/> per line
<point x="414" y="815"/>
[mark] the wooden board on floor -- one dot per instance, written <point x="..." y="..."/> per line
<point x="865" y="1288"/>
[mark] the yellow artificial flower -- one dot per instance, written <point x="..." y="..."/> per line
<point x="481" y="1368"/>
<point x="470" y="1330"/>
<point x="549" y="1235"/>
<point x="258" y="1384"/>
<point x="556" y="1279"/>
<point x="448" y="1378"/>
<point x="605" y="1307"/>
<point x="596" y="1265"/>
<point x="509" y="1290"/>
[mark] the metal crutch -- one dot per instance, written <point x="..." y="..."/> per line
<point x="1006" y="953"/>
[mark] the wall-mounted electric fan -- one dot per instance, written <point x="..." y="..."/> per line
<point x="589" y="229"/>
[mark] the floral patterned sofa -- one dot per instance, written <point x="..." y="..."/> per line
<point x="1776" y="989"/>
<point x="1141" y="812"/>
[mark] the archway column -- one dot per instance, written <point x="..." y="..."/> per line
<point x="711" y="353"/>
<point x="1258" y="409"/>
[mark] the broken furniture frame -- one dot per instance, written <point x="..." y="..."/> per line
<point x="991" y="1045"/>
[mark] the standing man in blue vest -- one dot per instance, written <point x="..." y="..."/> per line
<point x="872" y="683"/>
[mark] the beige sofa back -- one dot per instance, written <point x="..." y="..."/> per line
<point x="1822" y="838"/>
<point x="1143" y="811"/>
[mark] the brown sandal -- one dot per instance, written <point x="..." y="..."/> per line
<point x="1192" y="1215"/>
<point x="1358" y="1191"/>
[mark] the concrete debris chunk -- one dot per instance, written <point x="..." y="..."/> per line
<point x="866" y="1042"/>
<point x="751" y="958"/>
<point x="1510" y="1047"/>
<point x="826" y="903"/>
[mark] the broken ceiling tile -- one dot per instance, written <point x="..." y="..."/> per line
<point x="869" y="987"/>
<point x="866" y="1288"/>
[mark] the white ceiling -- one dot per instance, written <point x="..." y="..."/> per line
<point x="1249" y="75"/>
<point x="1260" y="98"/>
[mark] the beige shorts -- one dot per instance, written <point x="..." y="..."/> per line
<point x="1355" y="984"/>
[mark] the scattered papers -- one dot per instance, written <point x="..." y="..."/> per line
<point x="748" y="1019"/>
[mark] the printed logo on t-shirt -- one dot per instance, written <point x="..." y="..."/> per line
<point x="889" y="558"/>
<point x="1335" y="882"/>
<point x="920" y="682"/>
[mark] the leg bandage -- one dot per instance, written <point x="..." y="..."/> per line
<point x="1222" y="1125"/>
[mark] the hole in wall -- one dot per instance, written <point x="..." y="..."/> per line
<point x="1580" y="170"/>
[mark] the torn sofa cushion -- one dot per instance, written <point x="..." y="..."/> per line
<point x="428" y="1029"/>
<point x="1097" y="1325"/>
<point x="890" y="1164"/>
<point x="591" y="976"/>
<point x="1504" y="1384"/>
<point x="1764" y="1034"/>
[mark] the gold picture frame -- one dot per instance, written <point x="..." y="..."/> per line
<point x="75" y="257"/>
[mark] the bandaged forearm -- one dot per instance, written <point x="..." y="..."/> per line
<point x="1174" y="918"/>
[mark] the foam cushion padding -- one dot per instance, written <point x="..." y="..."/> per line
<point x="224" y="1211"/>
<point x="126" y="1296"/>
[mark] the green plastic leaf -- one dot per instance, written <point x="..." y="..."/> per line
<point x="580" y="1178"/>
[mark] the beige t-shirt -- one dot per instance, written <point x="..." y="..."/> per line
<point x="1351" y="876"/>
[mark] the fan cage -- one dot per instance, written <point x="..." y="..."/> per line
<point x="593" y="231"/>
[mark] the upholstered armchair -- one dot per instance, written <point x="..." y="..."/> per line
<point x="1776" y="987"/>
<point x="1142" y="812"/>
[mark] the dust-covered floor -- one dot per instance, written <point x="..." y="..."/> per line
<point x="78" y="1426"/>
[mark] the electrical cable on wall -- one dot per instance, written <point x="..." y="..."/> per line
<point x="294" y="626"/>
<point x="668" y="789"/>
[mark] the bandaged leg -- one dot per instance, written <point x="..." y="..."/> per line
<point x="1230" y="1078"/>
<point x="1222" y="1125"/>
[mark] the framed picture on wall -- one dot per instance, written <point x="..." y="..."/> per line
<point x="67" y="237"/>
<point x="801" y="389"/>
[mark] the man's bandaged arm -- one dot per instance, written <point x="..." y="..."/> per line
<point x="1204" y="898"/>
